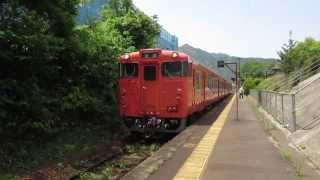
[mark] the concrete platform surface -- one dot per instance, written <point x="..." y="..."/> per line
<point x="242" y="150"/>
<point x="165" y="163"/>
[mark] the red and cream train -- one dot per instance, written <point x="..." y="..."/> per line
<point x="160" y="89"/>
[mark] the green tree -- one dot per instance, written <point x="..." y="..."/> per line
<point x="55" y="76"/>
<point x="132" y="24"/>
<point x="60" y="14"/>
<point x="307" y="52"/>
<point x="120" y="7"/>
<point x="256" y="69"/>
<point x="30" y="68"/>
<point x="287" y="57"/>
<point x="295" y="55"/>
<point x="250" y="83"/>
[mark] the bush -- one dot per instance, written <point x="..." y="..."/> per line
<point x="250" y="83"/>
<point x="55" y="76"/>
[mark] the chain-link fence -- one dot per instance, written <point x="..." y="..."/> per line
<point x="280" y="105"/>
<point x="296" y="110"/>
<point x="295" y="100"/>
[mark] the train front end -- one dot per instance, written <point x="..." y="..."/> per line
<point x="154" y="95"/>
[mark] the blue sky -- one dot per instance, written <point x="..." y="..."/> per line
<point x="246" y="28"/>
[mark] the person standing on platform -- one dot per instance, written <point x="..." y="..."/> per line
<point x="241" y="92"/>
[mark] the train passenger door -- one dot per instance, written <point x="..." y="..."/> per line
<point x="218" y="87"/>
<point x="204" y="85"/>
<point x="194" y="87"/>
<point x="150" y="89"/>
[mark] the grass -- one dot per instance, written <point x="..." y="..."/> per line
<point x="285" y="154"/>
<point x="9" y="177"/>
<point x="26" y="156"/>
<point x="121" y="165"/>
<point x="268" y="125"/>
<point x="270" y="81"/>
<point x="91" y="176"/>
<point x="297" y="164"/>
<point x="131" y="148"/>
<point x="302" y="147"/>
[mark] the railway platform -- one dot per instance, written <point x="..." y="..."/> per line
<point x="227" y="149"/>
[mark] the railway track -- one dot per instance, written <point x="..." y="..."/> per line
<point x="126" y="153"/>
<point x="106" y="162"/>
<point x="124" y="156"/>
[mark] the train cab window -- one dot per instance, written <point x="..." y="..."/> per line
<point x="150" y="73"/>
<point x="128" y="70"/>
<point x="175" y="69"/>
<point x="185" y="69"/>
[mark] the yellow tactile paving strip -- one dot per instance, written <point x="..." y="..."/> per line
<point x="194" y="165"/>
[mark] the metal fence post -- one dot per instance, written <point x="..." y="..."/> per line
<point x="266" y="103"/>
<point x="282" y="109"/>
<point x="272" y="104"/>
<point x="269" y="103"/>
<point x="294" y="112"/>
<point x="275" y="108"/>
<point x="259" y="97"/>
<point x="262" y="99"/>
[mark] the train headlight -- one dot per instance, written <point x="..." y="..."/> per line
<point x="126" y="57"/>
<point x="175" y="55"/>
<point x="172" y="109"/>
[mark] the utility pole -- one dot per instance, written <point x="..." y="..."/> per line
<point x="237" y="90"/>
<point x="239" y="84"/>
<point x="236" y="72"/>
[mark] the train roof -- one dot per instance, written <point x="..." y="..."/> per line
<point x="161" y="54"/>
<point x="164" y="55"/>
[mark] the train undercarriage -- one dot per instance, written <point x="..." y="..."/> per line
<point x="155" y="124"/>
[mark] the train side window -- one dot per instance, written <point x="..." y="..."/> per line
<point x="210" y="83"/>
<point x="128" y="70"/>
<point x="217" y="85"/>
<point x="150" y="73"/>
<point x="198" y="80"/>
<point x="189" y="69"/>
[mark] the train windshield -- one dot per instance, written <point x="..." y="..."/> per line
<point x="128" y="70"/>
<point x="175" y="69"/>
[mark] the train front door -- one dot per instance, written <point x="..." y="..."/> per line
<point x="150" y="89"/>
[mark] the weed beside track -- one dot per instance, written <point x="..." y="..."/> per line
<point x="126" y="155"/>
